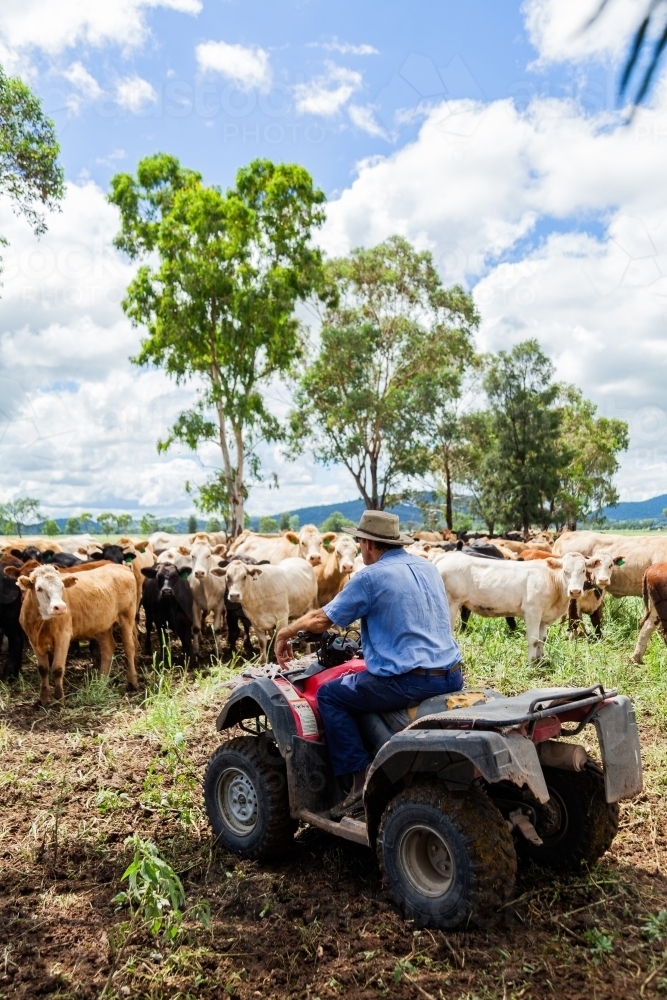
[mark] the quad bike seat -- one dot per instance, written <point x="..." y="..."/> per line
<point x="467" y="706"/>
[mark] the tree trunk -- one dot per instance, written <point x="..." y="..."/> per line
<point x="449" y="517"/>
<point x="571" y="524"/>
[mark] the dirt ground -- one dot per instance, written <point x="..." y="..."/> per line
<point x="75" y="784"/>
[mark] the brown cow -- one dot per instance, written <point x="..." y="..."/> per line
<point x="528" y="555"/>
<point x="337" y="564"/>
<point x="58" y="608"/>
<point x="654" y="588"/>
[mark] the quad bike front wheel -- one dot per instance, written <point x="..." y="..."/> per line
<point x="577" y="825"/>
<point x="447" y="859"/>
<point x="245" y="793"/>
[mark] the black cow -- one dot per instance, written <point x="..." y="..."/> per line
<point x="113" y="552"/>
<point x="28" y="553"/>
<point x="62" y="559"/>
<point x="167" y="600"/>
<point x="10" y="609"/>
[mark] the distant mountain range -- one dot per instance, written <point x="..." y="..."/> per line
<point x="639" y="510"/>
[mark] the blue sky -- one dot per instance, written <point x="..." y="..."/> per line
<point x="486" y="132"/>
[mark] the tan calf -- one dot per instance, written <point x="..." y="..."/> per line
<point x="59" y="608"/>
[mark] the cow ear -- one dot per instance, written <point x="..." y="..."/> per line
<point x="13" y="572"/>
<point x="48" y="555"/>
<point x="330" y="536"/>
<point x="129" y="556"/>
<point x="554" y="563"/>
<point x="183" y="551"/>
<point x="254" y="571"/>
<point x="69" y="581"/>
<point x="141" y="546"/>
<point x="218" y="571"/>
<point x="592" y="563"/>
<point x="25" y="583"/>
<point x="620" y="561"/>
<point x="219" y="550"/>
<point x="149" y="571"/>
<point x="17" y="553"/>
<point x="426" y="547"/>
<point x="292" y="537"/>
<point x="184" y="573"/>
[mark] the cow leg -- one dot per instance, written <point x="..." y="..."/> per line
<point x="184" y="631"/>
<point x="14" y="653"/>
<point x="59" y="661"/>
<point x="647" y="627"/>
<point x="196" y="625"/>
<point x="574" y="620"/>
<point x="454" y="610"/>
<point x="596" y="621"/>
<point x="127" y="634"/>
<point x="511" y="623"/>
<point x="247" y="643"/>
<point x="533" y="635"/>
<point x="43" y="663"/>
<point x="218" y="615"/>
<point x="465" y="617"/>
<point x="107" y="646"/>
<point x="262" y="639"/>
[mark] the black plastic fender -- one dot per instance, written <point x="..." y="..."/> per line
<point x="455" y="758"/>
<point x="260" y="696"/>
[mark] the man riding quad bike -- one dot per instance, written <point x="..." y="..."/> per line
<point x="448" y="786"/>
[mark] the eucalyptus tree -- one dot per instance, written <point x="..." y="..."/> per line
<point x="220" y="276"/>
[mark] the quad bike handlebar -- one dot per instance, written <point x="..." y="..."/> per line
<point x="332" y="649"/>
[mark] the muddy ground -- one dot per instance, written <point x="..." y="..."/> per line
<point x="76" y="784"/>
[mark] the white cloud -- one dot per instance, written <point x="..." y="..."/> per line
<point x="248" y="68"/>
<point x="482" y="177"/>
<point x="561" y="30"/>
<point x="54" y="27"/>
<point x="345" y="48"/>
<point x="364" y="118"/>
<point x="327" y="94"/>
<point x="86" y="86"/>
<point x="135" y="94"/>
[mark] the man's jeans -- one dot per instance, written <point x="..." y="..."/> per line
<point x="353" y="694"/>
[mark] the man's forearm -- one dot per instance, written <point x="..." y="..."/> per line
<point x="312" y="621"/>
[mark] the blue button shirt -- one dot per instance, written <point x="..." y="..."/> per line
<point x="404" y="614"/>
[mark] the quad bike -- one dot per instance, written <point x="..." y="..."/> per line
<point x="459" y="785"/>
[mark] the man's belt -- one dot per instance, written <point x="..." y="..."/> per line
<point x="434" y="672"/>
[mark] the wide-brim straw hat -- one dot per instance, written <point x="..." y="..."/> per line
<point x="379" y="526"/>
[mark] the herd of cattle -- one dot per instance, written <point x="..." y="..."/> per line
<point x="79" y="589"/>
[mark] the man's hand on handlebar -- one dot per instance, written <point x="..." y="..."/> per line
<point x="312" y="621"/>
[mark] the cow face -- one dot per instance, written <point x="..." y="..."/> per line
<point x="574" y="571"/>
<point x="204" y="558"/>
<point x="346" y="552"/>
<point x="178" y="556"/>
<point x="239" y="577"/>
<point x="48" y="586"/>
<point x="599" y="569"/>
<point x="310" y="544"/>
<point x="167" y="576"/>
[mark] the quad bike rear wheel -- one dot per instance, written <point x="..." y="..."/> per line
<point x="447" y="859"/>
<point x="577" y="825"/>
<point x="246" y="798"/>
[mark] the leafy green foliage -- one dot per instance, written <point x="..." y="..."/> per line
<point x="213" y="524"/>
<point x="526" y="424"/>
<point x="601" y="945"/>
<point x="154" y="890"/>
<point x="51" y="528"/>
<point x="17" y="514"/>
<point x="192" y="524"/>
<point x="148" y="524"/>
<point x="393" y="346"/>
<point x="592" y="444"/>
<point x="73" y="526"/>
<point x="655" y="927"/>
<point x="268" y="525"/>
<point x="294" y="522"/>
<point x="335" y="522"/>
<point x="107" y="523"/>
<point x="29" y="171"/>
<point x="218" y="305"/>
<point x="284" y="521"/>
<point x="123" y="523"/>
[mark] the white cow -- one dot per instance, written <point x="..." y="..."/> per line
<point x="306" y="545"/>
<point x="599" y="570"/>
<point x="270" y="595"/>
<point x="632" y="556"/>
<point x="208" y="591"/>
<point x="538" y="591"/>
<point x="339" y="553"/>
